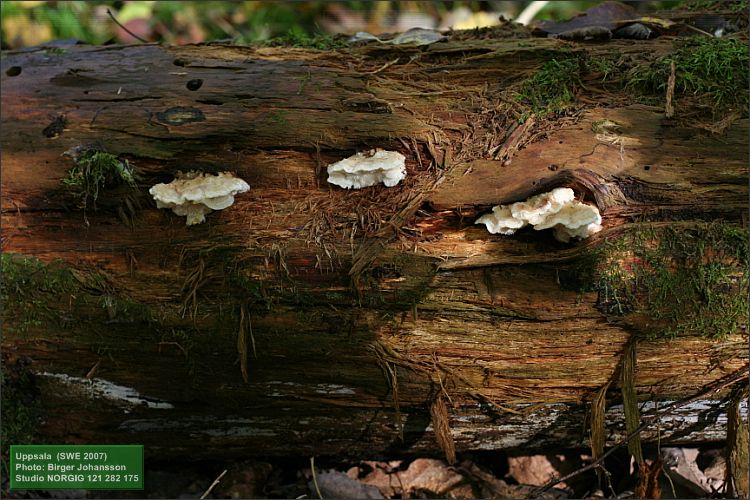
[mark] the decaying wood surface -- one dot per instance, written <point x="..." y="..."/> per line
<point x="349" y="312"/>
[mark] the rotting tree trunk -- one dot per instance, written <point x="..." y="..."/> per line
<point x="347" y="312"/>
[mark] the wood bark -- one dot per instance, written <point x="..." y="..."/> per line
<point x="307" y="319"/>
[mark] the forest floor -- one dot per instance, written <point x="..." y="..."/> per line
<point x="685" y="473"/>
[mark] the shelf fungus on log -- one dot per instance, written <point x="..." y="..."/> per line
<point x="196" y="194"/>
<point x="368" y="169"/>
<point x="558" y="209"/>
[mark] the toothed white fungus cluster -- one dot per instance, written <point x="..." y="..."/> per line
<point x="557" y="209"/>
<point x="368" y="169"/>
<point x="195" y="194"/>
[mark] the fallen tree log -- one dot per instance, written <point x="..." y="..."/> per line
<point x="308" y="319"/>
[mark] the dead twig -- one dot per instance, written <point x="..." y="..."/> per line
<point x="315" y="478"/>
<point x="109" y="13"/>
<point x="216" y="481"/>
<point x="669" y="108"/>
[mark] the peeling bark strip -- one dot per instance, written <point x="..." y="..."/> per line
<point x="364" y="308"/>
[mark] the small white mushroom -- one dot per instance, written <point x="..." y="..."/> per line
<point x="557" y="209"/>
<point x="195" y="194"/>
<point x="536" y="209"/>
<point x="501" y="221"/>
<point x="574" y="220"/>
<point x="368" y="169"/>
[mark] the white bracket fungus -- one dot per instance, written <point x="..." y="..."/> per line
<point x="368" y="169"/>
<point x="196" y="194"/>
<point x="557" y="209"/>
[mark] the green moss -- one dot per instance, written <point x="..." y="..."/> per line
<point x="122" y="310"/>
<point x="55" y="51"/>
<point x="95" y="170"/>
<point x="688" y="280"/>
<point x="552" y="88"/>
<point x="21" y="406"/>
<point x="30" y="289"/>
<point x="713" y="5"/>
<point x="279" y="118"/>
<point x="295" y="37"/>
<point x="739" y="7"/>
<point x="253" y="290"/>
<point x="715" y="69"/>
<point x="603" y="66"/>
<point x="35" y="293"/>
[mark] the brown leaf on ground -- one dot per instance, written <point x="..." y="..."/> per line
<point x="429" y="478"/>
<point x="423" y="474"/>
<point x="538" y="470"/>
<point x="244" y="480"/>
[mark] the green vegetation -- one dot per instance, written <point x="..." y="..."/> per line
<point x="690" y="280"/>
<point x="715" y="69"/>
<point x="122" y="310"/>
<point x="30" y="289"/>
<point x="34" y="293"/>
<point x="20" y="406"/>
<point x="55" y="51"/>
<point x="713" y="5"/>
<point x="296" y="37"/>
<point x="603" y="67"/>
<point x="95" y="170"/>
<point x="552" y="88"/>
<point x="248" y="289"/>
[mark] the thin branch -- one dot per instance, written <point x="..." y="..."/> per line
<point x="315" y="478"/>
<point x="123" y="27"/>
<point x="716" y="386"/>
<point x="216" y="481"/>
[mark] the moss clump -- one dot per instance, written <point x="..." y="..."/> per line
<point x="687" y="280"/>
<point x="714" y="5"/>
<point x="30" y="290"/>
<point x="552" y="88"/>
<point x="714" y="69"/>
<point x="121" y="310"/>
<point x="35" y="293"/>
<point x="96" y="170"/>
<point x="606" y="68"/>
<point x="297" y="38"/>
<point x="55" y="51"/>
<point x="21" y="406"/>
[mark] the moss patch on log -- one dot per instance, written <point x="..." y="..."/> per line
<point x="318" y="41"/>
<point x="34" y="293"/>
<point x="713" y="5"/>
<point x="96" y="170"/>
<point x="714" y="69"/>
<point x="687" y="280"/>
<point x="552" y="88"/>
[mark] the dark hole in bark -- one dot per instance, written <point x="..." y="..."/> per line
<point x="194" y="84"/>
<point x="13" y="71"/>
<point x="647" y="167"/>
<point x="181" y="62"/>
